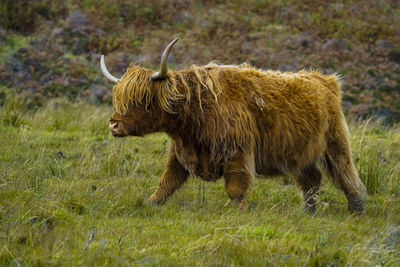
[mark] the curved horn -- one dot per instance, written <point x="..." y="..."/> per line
<point x="163" y="65"/>
<point x="106" y="73"/>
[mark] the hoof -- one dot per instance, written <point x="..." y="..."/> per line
<point x="310" y="206"/>
<point x="310" y="209"/>
<point x="239" y="202"/>
<point x="242" y="205"/>
<point x="155" y="201"/>
<point x="355" y="204"/>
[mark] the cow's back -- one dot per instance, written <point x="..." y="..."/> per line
<point x="292" y="114"/>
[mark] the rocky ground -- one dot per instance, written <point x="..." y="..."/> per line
<point x="51" y="48"/>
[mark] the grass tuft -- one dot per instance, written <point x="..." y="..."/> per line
<point x="376" y="155"/>
<point x="14" y="110"/>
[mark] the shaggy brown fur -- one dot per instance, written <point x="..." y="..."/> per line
<point x="236" y="121"/>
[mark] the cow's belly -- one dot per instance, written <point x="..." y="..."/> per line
<point x="268" y="171"/>
<point x="197" y="162"/>
<point x="209" y="172"/>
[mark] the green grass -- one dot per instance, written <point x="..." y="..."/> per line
<point x="62" y="175"/>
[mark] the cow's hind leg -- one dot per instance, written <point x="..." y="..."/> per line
<point x="309" y="180"/>
<point x="343" y="175"/>
<point x="342" y="171"/>
<point x="238" y="173"/>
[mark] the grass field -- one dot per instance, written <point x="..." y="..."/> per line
<point x="64" y="180"/>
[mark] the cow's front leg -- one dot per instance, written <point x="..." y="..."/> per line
<point x="238" y="173"/>
<point x="173" y="178"/>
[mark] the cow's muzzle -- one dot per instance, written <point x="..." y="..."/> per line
<point x="115" y="129"/>
<point x="113" y="126"/>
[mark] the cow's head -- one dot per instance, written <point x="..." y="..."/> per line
<point x="135" y="111"/>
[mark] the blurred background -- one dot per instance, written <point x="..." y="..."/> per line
<point x="51" y="49"/>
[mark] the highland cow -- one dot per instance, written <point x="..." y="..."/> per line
<point x="235" y="121"/>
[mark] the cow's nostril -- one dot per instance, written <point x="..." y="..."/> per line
<point x="113" y="126"/>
